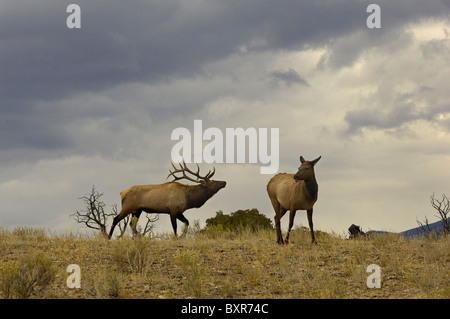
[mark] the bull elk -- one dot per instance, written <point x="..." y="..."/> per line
<point x="294" y="192"/>
<point x="171" y="198"/>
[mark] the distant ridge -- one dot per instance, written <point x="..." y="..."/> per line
<point x="435" y="228"/>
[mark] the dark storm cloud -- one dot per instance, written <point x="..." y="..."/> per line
<point x="148" y="41"/>
<point x="43" y="62"/>
<point x="288" y="77"/>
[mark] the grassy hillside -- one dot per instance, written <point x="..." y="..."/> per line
<point x="222" y="265"/>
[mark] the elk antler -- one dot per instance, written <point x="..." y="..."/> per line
<point x="184" y="169"/>
<point x="209" y="175"/>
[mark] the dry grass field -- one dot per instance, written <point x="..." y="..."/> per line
<point x="222" y="265"/>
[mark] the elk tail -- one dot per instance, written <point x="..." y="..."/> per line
<point x="124" y="193"/>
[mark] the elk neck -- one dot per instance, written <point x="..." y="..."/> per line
<point x="312" y="187"/>
<point x="196" y="196"/>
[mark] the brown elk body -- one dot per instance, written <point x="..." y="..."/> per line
<point x="170" y="198"/>
<point x="294" y="192"/>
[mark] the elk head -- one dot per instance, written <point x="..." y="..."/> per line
<point x="306" y="170"/>
<point x="205" y="182"/>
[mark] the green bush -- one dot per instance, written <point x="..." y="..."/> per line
<point x="249" y="219"/>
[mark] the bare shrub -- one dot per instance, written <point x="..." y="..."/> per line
<point x="94" y="215"/>
<point x="34" y="273"/>
<point x="190" y="264"/>
<point x="133" y="255"/>
<point x="29" y="233"/>
<point x="442" y="208"/>
<point x="8" y="272"/>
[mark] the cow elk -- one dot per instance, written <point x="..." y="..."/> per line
<point x="294" y="192"/>
<point x="171" y="198"/>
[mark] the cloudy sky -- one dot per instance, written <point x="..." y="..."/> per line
<point x="97" y="105"/>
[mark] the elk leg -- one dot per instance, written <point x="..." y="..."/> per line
<point x="123" y="213"/>
<point x="278" y="217"/>
<point x="276" y="208"/>
<point x="310" y="222"/>
<point x="181" y="217"/>
<point x="134" y="220"/>
<point x="291" y="223"/>
<point x="173" y="219"/>
<point x="278" y="227"/>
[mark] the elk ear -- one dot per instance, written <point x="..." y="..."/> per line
<point x="302" y="159"/>
<point x="316" y="160"/>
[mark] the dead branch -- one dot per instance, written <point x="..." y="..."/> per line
<point x="149" y="225"/>
<point x="94" y="215"/>
<point x="443" y="208"/>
